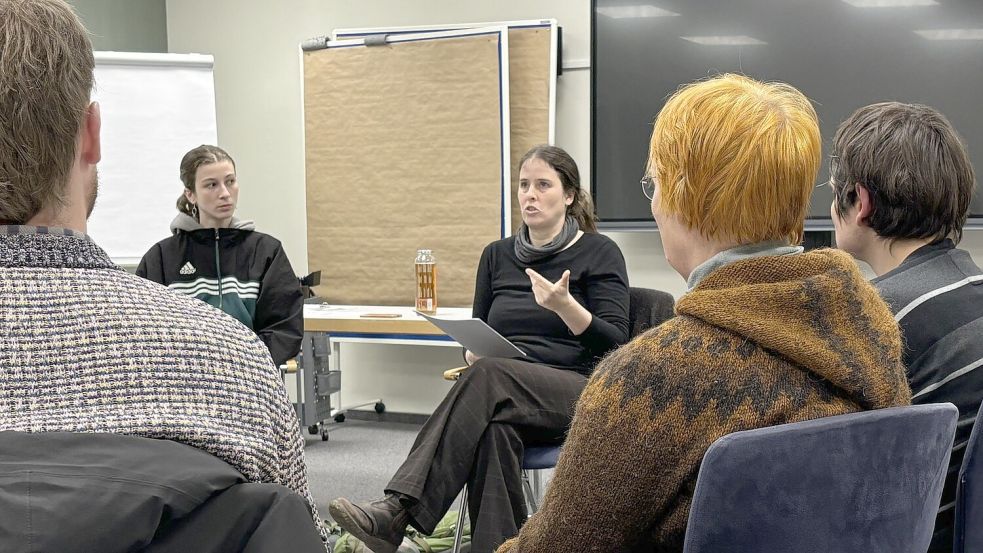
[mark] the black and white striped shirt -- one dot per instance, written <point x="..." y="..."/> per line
<point x="937" y="297"/>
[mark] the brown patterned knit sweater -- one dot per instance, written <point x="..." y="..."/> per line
<point x="758" y="342"/>
<point x="87" y="347"/>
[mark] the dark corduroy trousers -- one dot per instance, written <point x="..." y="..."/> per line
<point x="476" y="437"/>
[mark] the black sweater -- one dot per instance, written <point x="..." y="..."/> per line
<point x="503" y="298"/>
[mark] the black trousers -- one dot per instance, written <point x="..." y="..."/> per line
<point x="245" y="518"/>
<point x="476" y="437"/>
<point x="77" y="492"/>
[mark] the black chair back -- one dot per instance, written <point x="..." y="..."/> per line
<point x="648" y="308"/>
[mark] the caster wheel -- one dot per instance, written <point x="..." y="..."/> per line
<point x="340" y="417"/>
<point x="313" y="429"/>
<point x="380" y="407"/>
<point x="324" y="435"/>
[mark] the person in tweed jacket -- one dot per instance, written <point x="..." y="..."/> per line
<point x="766" y="334"/>
<point x="87" y="348"/>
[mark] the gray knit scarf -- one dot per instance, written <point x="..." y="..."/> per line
<point x="527" y="253"/>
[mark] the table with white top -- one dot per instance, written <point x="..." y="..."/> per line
<point x="326" y="327"/>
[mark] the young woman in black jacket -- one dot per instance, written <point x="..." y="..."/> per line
<point x="223" y="261"/>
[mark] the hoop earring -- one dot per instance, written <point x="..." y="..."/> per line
<point x="194" y="211"/>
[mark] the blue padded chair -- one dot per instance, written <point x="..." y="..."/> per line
<point x="968" y="532"/>
<point x="534" y="459"/>
<point x="866" y="482"/>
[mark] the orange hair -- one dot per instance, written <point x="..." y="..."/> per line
<point x="737" y="159"/>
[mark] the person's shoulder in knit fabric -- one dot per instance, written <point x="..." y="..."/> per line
<point x="155" y="364"/>
<point x="758" y="342"/>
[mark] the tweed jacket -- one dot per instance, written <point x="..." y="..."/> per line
<point x="87" y="347"/>
<point x="758" y="342"/>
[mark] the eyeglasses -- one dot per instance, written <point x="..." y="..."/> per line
<point x="834" y="165"/>
<point x="648" y="186"/>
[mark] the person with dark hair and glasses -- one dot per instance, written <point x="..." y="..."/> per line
<point x="902" y="184"/>
<point x="559" y="291"/>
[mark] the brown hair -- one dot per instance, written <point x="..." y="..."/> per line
<point x="202" y="155"/>
<point x="913" y="164"/>
<point x="737" y="158"/>
<point x="46" y="77"/>
<point x="582" y="208"/>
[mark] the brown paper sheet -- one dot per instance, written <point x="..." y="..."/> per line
<point x="529" y="98"/>
<point x="530" y="78"/>
<point x="403" y="146"/>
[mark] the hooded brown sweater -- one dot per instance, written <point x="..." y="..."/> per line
<point x="758" y="342"/>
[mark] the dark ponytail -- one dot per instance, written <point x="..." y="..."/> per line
<point x="184" y="206"/>
<point x="582" y="208"/>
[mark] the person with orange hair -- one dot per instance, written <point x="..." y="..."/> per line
<point x="766" y="334"/>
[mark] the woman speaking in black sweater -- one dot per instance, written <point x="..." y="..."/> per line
<point x="558" y="291"/>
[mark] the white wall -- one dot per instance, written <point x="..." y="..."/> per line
<point x="124" y="25"/>
<point x="257" y="83"/>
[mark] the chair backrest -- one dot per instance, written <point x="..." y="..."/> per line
<point x="647" y="308"/>
<point x="864" y="482"/>
<point x="540" y="457"/>
<point x="968" y="532"/>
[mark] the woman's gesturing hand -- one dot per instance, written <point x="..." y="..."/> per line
<point x="554" y="296"/>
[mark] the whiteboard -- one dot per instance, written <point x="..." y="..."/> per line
<point x="155" y="107"/>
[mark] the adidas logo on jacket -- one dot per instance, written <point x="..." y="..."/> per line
<point x="238" y="270"/>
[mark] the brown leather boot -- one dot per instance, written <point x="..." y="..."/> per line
<point x="380" y="524"/>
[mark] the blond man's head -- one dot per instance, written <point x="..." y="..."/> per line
<point x="736" y="159"/>
<point x="46" y="77"/>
